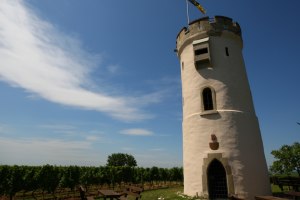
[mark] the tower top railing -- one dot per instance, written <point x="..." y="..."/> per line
<point x="208" y="26"/>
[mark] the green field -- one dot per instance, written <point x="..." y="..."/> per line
<point x="176" y="194"/>
<point x="170" y="193"/>
<point x="165" y="194"/>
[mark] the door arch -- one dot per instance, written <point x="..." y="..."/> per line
<point x="217" y="181"/>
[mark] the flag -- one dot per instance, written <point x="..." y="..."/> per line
<point x="195" y="3"/>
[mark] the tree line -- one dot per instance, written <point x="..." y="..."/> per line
<point x="48" y="178"/>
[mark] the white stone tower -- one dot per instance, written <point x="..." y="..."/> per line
<point x="222" y="146"/>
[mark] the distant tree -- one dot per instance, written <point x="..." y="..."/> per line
<point x="121" y="160"/>
<point x="288" y="159"/>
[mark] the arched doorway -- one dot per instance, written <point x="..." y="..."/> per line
<point x="217" y="182"/>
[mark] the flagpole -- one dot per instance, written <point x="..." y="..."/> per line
<point x="187" y="12"/>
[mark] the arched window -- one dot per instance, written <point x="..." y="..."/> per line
<point x="207" y="99"/>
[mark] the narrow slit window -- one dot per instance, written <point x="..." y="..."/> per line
<point x="227" y="51"/>
<point x="182" y="66"/>
<point x="207" y="99"/>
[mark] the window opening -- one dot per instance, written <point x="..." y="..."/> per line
<point x="227" y="51"/>
<point x="201" y="51"/>
<point x="202" y="57"/>
<point x="207" y="99"/>
<point x="182" y="66"/>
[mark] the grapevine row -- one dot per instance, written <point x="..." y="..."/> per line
<point x="48" y="177"/>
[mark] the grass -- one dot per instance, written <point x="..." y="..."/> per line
<point x="171" y="193"/>
<point x="165" y="194"/>
<point x="176" y="193"/>
<point x="275" y="188"/>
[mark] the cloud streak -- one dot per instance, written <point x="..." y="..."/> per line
<point x="42" y="60"/>
<point x="45" y="151"/>
<point x="136" y="132"/>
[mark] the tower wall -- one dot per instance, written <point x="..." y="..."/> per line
<point x="233" y="120"/>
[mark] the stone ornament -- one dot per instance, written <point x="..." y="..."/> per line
<point x="214" y="145"/>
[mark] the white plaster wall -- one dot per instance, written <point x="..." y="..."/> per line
<point x="235" y="124"/>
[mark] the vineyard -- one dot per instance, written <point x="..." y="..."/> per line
<point x="51" y="182"/>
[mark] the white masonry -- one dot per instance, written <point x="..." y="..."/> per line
<point x="223" y="152"/>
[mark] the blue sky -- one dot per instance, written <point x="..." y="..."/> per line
<point x="80" y="80"/>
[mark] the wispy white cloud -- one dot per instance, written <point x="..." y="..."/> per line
<point x="130" y="149"/>
<point x="70" y="130"/>
<point x="57" y="127"/>
<point x="1" y="128"/>
<point x="161" y="159"/>
<point x="137" y="132"/>
<point x="42" y="60"/>
<point x="67" y="130"/>
<point x="4" y="128"/>
<point x="42" y="151"/>
<point x="113" y="69"/>
<point x="92" y="138"/>
<point x="150" y="98"/>
<point x="157" y="149"/>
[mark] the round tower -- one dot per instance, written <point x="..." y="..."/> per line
<point x="222" y="147"/>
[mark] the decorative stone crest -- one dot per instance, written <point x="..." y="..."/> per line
<point x="214" y="145"/>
